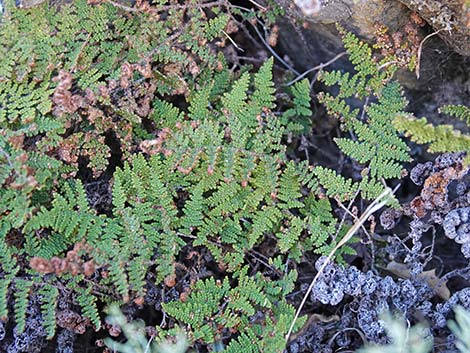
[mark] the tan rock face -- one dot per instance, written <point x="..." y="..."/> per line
<point x="450" y="17"/>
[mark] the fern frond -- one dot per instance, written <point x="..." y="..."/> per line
<point x="193" y="211"/>
<point x="289" y="188"/>
<point x="215" y="26"/>
<point x="246" y="343"/>
<point x="263" y="220"/>
<point x="9" y="268"/>
<point x="296" y="118"/>
<point x="49" y="295"/>
<point x="21" y="294"/>
<point x="335" y="185"/>
<point x="87" y="302"/>
<point x="198" y="108"/>
<point x="290" y="237"/>
<point x="263" y="95"/>
<point x="235" y="100"/>
<point x="441" y="138"/>
<point x="460" y="111"/>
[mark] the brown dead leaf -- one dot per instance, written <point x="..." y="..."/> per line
<point x="430" y="277"/>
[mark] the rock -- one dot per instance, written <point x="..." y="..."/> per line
<point x="450" y="17"/>
<point x="309" y="37"/>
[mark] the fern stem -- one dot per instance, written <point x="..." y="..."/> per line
<point x="318" y="67"/>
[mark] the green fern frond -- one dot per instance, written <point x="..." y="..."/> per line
<point x="375" y="142"/>
<point x="290" y="237"/>
<point x="9" y="268"/>
<point x="87" y="302"/>
<point x="199" y="104"/>
<point x="441" y="138"/>
<point x="49" y="295"/>
<point x="118" y="276"/>
<point x="235" y="100"/>
<point x="246" y="343"/>
<point x="290" y="188"/>
<point x="297" y="117"/>
<point x="335" y="185"/>
<point x="214" y="26"/>
<point x="263" y="95"/>
<point x="263" y="220"/>
<point x="165" y="114"/>
<point x="460" y="111"/>
<point x="193" y="211"/>
<point x="21" y="294"/>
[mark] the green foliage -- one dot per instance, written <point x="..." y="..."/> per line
<point x="73" y="78"/>
<point x="22" y="291"/>
<point x="241" y="191"/>
<point x="87" y="302"/>
<point x="9" y="267"/>
<point x="136" y="340"/>
<point x="214" y="308"/>
<point x="416" y="339"/>
<point x="459" y="111"/>
<point x="369" y="77"/>
<point x="375" y="142"/>
<point x="197" y="161"/>
<point x="459" y="328"/>
<point x="49" y="296"/>
<point x="297" y="117"/>
<point x="439" y="138"/>
<point x="335" y="185"/>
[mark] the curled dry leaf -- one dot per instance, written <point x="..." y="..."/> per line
<point x="430" y="277"/>
<point x="72" y="321"/>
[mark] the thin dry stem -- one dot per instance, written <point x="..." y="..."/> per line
<point x="318" y="67"/>
<point x="418" y="59"/>
<point x="376" y="205"/>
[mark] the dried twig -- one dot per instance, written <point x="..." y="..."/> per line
<point x="418" y="60"/>
<point x="376" y="205"/>
<point x="258" y="5"/>
<point x="233" y="42"/>
<point x="318" y="67"/>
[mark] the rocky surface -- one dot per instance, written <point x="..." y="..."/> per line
<point x="450" y="17"/>
<point x="309" y="37"/>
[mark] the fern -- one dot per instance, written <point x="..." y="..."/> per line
<point x="375" y="143"/>
<point x="440" y="138"/>
<point x="335" y="184"/>
<point x="49" y="296"/>
<point x="210" y="174"/>
<point x="214" y="26"/>
<point x="263" y="95"/>
<point x="459" y="111"/>
<point x="22" y="291"/>
<point x="235" y="100"/>
<point x="87" y="303"/>
<point x="198" y="108"/>
<point x="216" y="301"/>
<point x="297" y="117"/>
